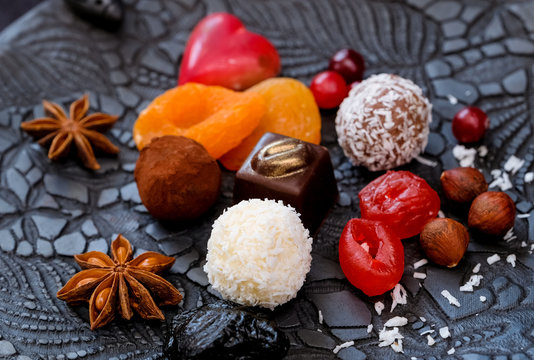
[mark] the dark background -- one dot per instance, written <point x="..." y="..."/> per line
<point x="10" y="10"/>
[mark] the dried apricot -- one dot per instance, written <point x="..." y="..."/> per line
<point x="291" y="111"/>
<point x="216" y="117"/>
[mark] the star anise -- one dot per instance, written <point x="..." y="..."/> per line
<point x="60" y="130"/>
<point x="120" y="285"/>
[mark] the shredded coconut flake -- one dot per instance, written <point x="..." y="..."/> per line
<point x="369" y="328"/>
<point x="420" y="263"/>
<point x="399" y="296"/>
<point x="452" y="300"/>
<point x="524" y="244"/>
<point x="501" y="180"/>
<point x="397" y="346"/>
<point x="441" y="214"/>
<point x="320" y="317"/>
<point x="342" y="346"/>
<point x="493" y="259"/>
<point x="451" y="351"/>
<point x="430" y="340"/>
<point x="426" y="162"/>
<point x="452" y="100"/>
<point x="476" y="269"/>
<point x="379" y="306"/>
<point x="513" y="164"/>
<point x="523" y="216"/>
<point x="422" y="319"/>
<point x="419" y="275"/>
<point x="473" y="281"/>
<point x="482" y="151"/>
<point x="465" y="156"/>
<point x="396" y="321"/>
<point x="511" y="259"/>
<point x="509" y="236"/>
<point x="429" y="331"/>
<point x="529" y="177"/>
<point x="482" y="298"/>
<point x="444" y="332"/>
<point x="388" y="337"/>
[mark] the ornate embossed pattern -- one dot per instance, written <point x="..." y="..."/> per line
<point x="460" y="52"/>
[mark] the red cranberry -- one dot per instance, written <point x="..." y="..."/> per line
<point x="349" y="64"/>
<point x="470" y="124"/>
<point x="329" y="89"/>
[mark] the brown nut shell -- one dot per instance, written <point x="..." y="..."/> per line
<point x="492" y="213"/>
<point x="444" y="241"/>
<point x="463" y="184"/>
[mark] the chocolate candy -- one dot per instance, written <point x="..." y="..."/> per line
<point x="294" y="171"/>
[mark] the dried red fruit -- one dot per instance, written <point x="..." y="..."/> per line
<point x="371" y="256"/>
<point x="402" y="200"/>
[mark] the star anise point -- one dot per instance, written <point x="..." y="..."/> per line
<point x="120" y="284"/>
<point x="59" y="131"/>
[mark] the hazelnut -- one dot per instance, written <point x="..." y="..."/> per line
<point x="492" y="213"/>
<point x="463" y="184"/>
<point x="444" y="241"/>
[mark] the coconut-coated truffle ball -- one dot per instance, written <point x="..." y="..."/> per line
<point x="258" y="253"/>
<point x="177" y="179"/>
<point x="383" y="123"/>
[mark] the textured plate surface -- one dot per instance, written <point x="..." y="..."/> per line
<point x="470" y="52"/>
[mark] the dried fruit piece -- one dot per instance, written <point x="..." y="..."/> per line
<point x="444" y="241"/>
<point x="463" y="184"/>
<point x="291" y="111"/>
<point x="371" y="256"/>
<point x="218" y="331"/>
<point x="216" y="117"/>
<point x="400" y="199"/>
<point x="492" y="213"/>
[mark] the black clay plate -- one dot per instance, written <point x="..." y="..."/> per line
<point x="470" y="52"/>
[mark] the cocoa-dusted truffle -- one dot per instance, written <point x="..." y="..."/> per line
<point x="383" y="123"/>
<point x="177" y="178"/>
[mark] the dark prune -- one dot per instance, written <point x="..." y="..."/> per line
<point x="218" y="331"/>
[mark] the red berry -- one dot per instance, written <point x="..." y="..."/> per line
<point x="470" y="124"/>
<point x="349" y="64"/>
<point x="400" y="199"/>
<point x="371" y="256"/>
<point x="329" y="89"/>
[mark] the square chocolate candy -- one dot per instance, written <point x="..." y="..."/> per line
<point x="294" y="171"/>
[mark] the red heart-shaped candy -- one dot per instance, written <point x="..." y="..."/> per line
<point x="221" y="51"/>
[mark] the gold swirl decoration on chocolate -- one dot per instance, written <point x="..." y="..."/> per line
<point x="282" y="158"/>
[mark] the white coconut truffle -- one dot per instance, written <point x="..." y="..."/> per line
<point x="258" y="253"/>
<point x="383" y="122"/>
